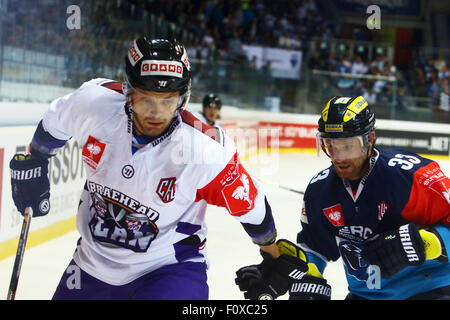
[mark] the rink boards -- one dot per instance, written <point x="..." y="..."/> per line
<point x="259" y="136"/>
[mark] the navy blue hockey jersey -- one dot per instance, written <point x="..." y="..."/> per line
<point x="401" y="187"/>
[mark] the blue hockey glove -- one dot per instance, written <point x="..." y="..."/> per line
<point x="395" y="250"/>
<point x="273" y="277"/>
<point x="29" y="183"/>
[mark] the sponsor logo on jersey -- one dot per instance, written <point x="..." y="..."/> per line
<point x="334" y="215"/>
<point x="134" y="54"/>
<point x="128" y="171"/>
<point x="355" y="233"/>
<point x="162" y="68"/>
<point x="166" y="189"/>
<point x="92" y="152"/>
<point x="382" y="208"/>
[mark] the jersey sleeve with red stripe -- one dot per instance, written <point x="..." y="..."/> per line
<point x="429" y="201"/>
<point x="234" y="189"/>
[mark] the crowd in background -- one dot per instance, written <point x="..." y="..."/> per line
<point x="217" y="31"/>
<point x="375" y="89"/>
<point x="432" y="78"/>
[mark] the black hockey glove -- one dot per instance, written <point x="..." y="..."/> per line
<point x="311" y="287"/>
<point x="29" y="183"/>
<point x="273" y="277"/>
<point x="393" y="251"/>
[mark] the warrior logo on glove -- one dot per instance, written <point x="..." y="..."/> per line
<point x="29" y="183"/>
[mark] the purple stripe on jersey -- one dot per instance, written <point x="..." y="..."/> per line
<point x="264" y="233"/>
<point x="184" y="252"/>
<point x="43" y="142"/>
<point x="187" y="228"/>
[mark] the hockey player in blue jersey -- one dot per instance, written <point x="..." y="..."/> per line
<point x="385" y="212"/>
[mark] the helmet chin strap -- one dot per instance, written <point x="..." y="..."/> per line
<point x="366" y="164"/>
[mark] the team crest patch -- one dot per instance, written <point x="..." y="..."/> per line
<point x="166" y="189"/>
<point x="382" y="208"/>
<point x="334" y="214"/>
<point x="92" y="152"/>
<point x="239" y="195"/>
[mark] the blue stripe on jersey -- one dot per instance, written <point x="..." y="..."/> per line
<point x="44" y="143"/>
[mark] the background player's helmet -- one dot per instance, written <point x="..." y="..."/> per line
<point x="212" y="100"/>
<point x="344" y="127"/>
<point x="158" y="65"/>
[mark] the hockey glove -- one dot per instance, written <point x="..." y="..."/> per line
<point x="273" y="277"/>
<point x="395" y="250"/>
<point x="311" y="287"/>
<point x="29" y="183"/>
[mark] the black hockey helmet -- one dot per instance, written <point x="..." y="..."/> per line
<point x="344" y="128"/>
<point x="346" y="117"/>
<point x="159" y="65"/>
<point x="212" y="100"/>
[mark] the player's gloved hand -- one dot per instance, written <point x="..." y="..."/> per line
<point x="273" y="277"/>
<point x="311" y="287"/>
<point x="392" y="251"/>
<point x="29" y="183"/>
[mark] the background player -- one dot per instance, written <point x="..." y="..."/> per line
<point x="210" y="113"/>
<point x="385" y="212"/>
<point x="142" y="211"/>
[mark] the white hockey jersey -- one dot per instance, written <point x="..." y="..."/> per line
<point x="141" y="211"/>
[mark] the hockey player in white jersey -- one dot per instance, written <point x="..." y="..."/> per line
<point x="152" y="169"/>
<point x="210" y="113"/>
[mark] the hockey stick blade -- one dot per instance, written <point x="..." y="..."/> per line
<point x="28" y="214"/>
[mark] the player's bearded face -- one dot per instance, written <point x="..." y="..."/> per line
<point x="153" y="111"/>
<point x="354" y="166"/>
<point x="351" y="169"/>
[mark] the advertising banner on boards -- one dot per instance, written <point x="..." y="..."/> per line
<point x="419" y="142"/>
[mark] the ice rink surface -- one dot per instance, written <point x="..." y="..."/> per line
<point x="229" y="247"/>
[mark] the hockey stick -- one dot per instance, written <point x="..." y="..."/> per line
<point x="28" y="214"/>
<point x="275" y="184"/>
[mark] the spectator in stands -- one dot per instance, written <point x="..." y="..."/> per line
<point x="378" y="63"/>
<point x="434" y="92"/>
<point x="331" y="62"/>
<point x="358" y="66"/>
<point x="440" y="63"/>
<point x="315" y="63"/>
<point x="429" y="71"/>
<point x="343" y="66"/>
<point x="443" y="73"/>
